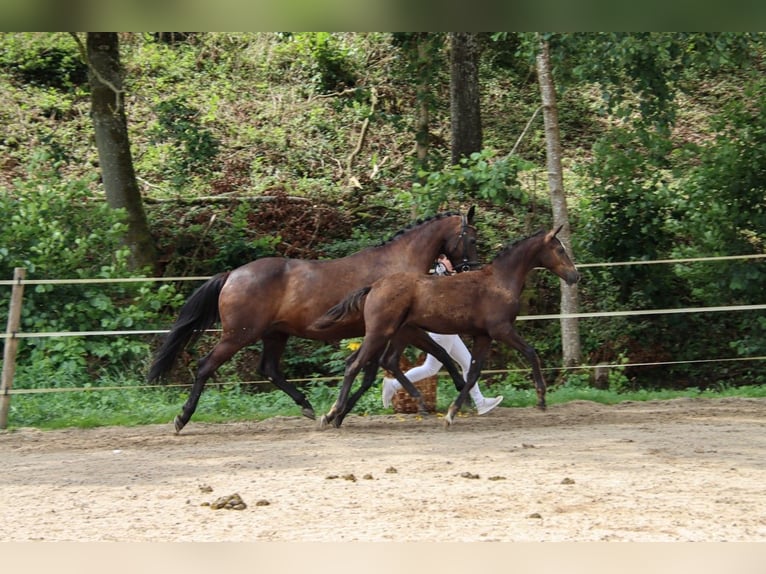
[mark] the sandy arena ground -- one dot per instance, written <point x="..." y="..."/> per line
<point x="680" y="470"/>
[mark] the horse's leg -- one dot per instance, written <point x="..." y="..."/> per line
<point x="206" y="366"/>
<point x="273" y="347"/>
<point x="390" y="360"/>
<point x="479" y="352"/>
<point x="370" y="350"/>
<point x="390" y="357"/>
<point x="513" y="339"/>
<point x="369" y="372"/>
<point x="420" y="339"/>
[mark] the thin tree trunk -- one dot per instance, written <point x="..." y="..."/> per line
<point x="570" y="331"/>
<point x="423" y="98"/>
<point x="464" y="95"/>
<point x="111" y="131"/>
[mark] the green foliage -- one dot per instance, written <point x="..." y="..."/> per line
<point x="720" y="209"/>
<point x="44" y="60"/>
<point x="236" y="248"/>
<point x="665" y="133"/>
<point x="55" y="231"/>
<point x="642" y="71"/>
<point x="478" y="177"/>
<point x="193" y="148"/>
<point x="325" y="59"/>
<point x="625" y="212"/>
<point x="721" y="203"/>
<point x="125" y="403"/>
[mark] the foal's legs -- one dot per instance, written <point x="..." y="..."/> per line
<point x="273" y="347"/>
<point x="512" y="338"/>
<point x="479" y="352"/>
<point x="369" y="352"/>
<point x="390" y="361"/>
<point x="369" y="371"/>
<point x="419" y="338"/>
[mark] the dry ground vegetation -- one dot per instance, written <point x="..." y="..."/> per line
<point x="677" y="470"/>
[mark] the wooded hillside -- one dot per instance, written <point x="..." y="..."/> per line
<point x="315" y="145"/>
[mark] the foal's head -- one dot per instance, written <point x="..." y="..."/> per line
<point x="553" y="256"/>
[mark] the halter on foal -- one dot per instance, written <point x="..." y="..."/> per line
<point x="273" y="298"/>
<point x="482" y="303"/>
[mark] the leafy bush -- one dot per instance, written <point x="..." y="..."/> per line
<point x="57" y="231"/>
<point x="319" y="55"/>
<point x="193" y="148"/>
<point x="480" y="176"/>
<point x="47" y="60"/>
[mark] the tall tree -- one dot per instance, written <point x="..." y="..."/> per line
<point x="423" y="96"/>
<point x="464" y="95"/>
<point x="570" y="331"/>
<point x="421" y="58"/>
<point x="111" y="131"/>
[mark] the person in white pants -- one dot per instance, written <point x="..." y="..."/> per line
<point x="456" y="349"/>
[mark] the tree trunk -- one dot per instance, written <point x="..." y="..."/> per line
<point x="111" y="131"/>
<point x="464" y="95"/>
<point x="423" y="99"/>
<point x="570" y="332"/>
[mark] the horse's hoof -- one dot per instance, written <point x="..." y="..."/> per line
<point x="543" y="407"/>
<point x="323" y="423"/>
<point x="308" y="413"/>
<point x="449" y="418"/>
<point x="178" y="424"/>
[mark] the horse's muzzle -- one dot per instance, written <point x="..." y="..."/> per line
<point x="572" y="277"/>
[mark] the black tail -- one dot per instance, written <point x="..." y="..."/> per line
<point x="352" y="304"/>
<point x="199" y="312"/>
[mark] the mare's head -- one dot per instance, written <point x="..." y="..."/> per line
<point x="553" y="256"/>
<point x="460" y="248"/>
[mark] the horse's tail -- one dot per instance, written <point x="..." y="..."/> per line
<point x="199" y="313"/>
<point x="351" y="305"/>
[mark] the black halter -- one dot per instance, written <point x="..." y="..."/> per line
<point x="466" y="264"/>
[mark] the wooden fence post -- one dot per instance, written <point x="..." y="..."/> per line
<point x="11" y="344"/>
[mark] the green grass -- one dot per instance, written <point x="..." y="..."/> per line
<point x="140" y="406"/>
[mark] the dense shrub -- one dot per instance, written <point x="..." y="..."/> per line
<point x="56" y="230"/>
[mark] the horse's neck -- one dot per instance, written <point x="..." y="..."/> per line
<point x="513" y="267"/>
<point x="415" y="250"/>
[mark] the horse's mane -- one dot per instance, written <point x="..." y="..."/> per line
<point x="417" y="223"/>
<point x="511" y="246"/>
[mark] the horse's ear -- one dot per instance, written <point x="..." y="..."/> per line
<point x="470" y="214"/>
<point x="553" y="233"/>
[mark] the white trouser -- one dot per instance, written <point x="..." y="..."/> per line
<point x="456" y="349"/>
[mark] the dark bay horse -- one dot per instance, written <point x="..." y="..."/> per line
<point x="482" y="303"/>
<point x="273" y="298"/>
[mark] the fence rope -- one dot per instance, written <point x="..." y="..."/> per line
<point x="665" y="261"/>
<point x="103" y="280"/>
<point x="45" y="390"/>
<point x="585" y="315"/>
<point x="205" y="278"/>
<point x="637" y="312"/>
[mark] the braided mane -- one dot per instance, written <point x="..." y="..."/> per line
<point x="417" y="223"/>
